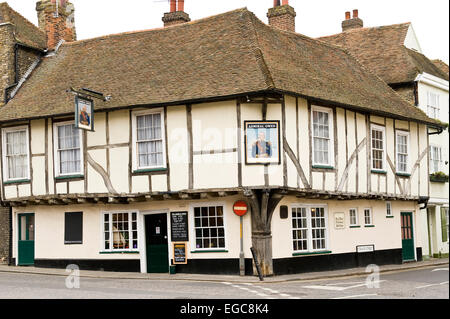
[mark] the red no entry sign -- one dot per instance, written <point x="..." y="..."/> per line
<point x="240" y="208"/>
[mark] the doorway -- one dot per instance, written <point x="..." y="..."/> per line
<point x="156" y="242"/>
<point x="26" y="239"/>
<point x="408" y="253"/>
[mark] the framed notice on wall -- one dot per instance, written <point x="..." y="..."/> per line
<point x="262" y="142"/>
<point x="179" y="254"/>
<point x="84" y="113"/>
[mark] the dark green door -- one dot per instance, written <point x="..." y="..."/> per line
<point x="157" y="243"/>
<point x="26" y="239"/>
<point x="407" y="237"/>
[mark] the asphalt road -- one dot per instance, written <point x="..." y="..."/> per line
<point x="426" y="283"/>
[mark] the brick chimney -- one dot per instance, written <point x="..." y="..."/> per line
<point x="57" y="19"/>
<point x="354" y="23"/>
<point x="282" y="15"/>
<point x="176" y="14"/>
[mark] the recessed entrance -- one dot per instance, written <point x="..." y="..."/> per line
<point x="157" y="248"/>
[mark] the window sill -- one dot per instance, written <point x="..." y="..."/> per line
<point x="119" y="252"/>
<point x="69" y="177"/>
<point x="209" y="251"/>
<point x="19" y="181"/>
<point x="369" y="226"/>
<point x="403" y="174"/>
<point x="325" y="252"/>
<point x="355" y="226"/>
<point x="389" y="216"/>
<point x="323" y="167"/>
<point x="374" y="171"/>
<point x="149" y="170"/>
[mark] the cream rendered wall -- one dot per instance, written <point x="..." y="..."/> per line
<point x="385" y="235"/>
<point x="303" y="136"/>
<point x="291" y="137"/>
<point x="177" y="139"/>
<point x="49" y="229"/>
<point x="274" y="113"/>
<point x="214" y="129"/>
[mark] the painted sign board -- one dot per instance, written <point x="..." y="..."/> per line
<point x="179" y="226"/>
<point x="262" y="142"/>
<point x="365" y="248"/>
<point x="339" y="220"/>
<point x="179" y="254"/>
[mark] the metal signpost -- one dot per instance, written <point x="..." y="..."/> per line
<point x="240" y="208"/>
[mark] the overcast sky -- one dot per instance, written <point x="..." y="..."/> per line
<point x="430" y="18"/>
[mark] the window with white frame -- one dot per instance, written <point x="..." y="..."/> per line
<point x="148" y="138"/>
<point x="402" y="151"/>
<point x="378" y="147"/>
<point x="309" y="228"/>
<point x="120" y="231"/>
<point x="433" y="105"/>
<point x="15" y="153"/>
<point x="435" y="159"/>
<point x="353" y="217"/>
<point x="209" y="227"/>
<point x="388" y="209"/>
<point x="68" y="154"/>
<point x="322" y="136"/>
<point x="368" y="217"/>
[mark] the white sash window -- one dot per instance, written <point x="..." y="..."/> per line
<point x="402" y="152"/>
<point x="68" y="149"/>
<point x="433" y="105"/>
<point x="378" y="147"/>
<point x="148" y="137"/>
<point x="435" y="159"/>
<point x="322" y="136"/>
<point x="309" y="229"/>
<point x="16" y="153"/>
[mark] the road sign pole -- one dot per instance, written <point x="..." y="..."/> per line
<point x="241" y="254"/>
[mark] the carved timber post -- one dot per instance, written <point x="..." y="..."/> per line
<point x="262" y="203"/>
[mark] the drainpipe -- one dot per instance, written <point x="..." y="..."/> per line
<point x="424" y="200"/>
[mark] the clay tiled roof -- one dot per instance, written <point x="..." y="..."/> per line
<point x="441" y="65"/>
<point x="25" y="31"/>
<point x="382" y="50"/>
<point x="221" y="56"/>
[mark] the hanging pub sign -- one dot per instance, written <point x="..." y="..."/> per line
<point x="84" y="113"/>
<point x="262" y="142"/>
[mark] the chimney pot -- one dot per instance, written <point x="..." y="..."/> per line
<point x="180" y="5"/>
<point x="355" y="13"/>
<point x="352" y="23"/>
<point x="285" y="2"/>
<point x="347" y="15"/>
<point x="173" y="5"/>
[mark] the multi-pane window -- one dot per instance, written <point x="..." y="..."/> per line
<point x="433" y="105"/>
<point x="149" y="141"/>
<point x="353" y="217"/>
<point x="209" y="227"/>
<point x="435" y="158"/>
<point x="300" y="229"/>
<point x="368" y="217"/>
<point x="68" y="150"/>
<point x="322" y="137"/>
<point x="378" y="147"/>
<point x="15" y="152"/>
<point x="309" y="229"/>
<point x="388" y="209"/>
<point x="402" y="152"/>
<point x="120" y="231"/>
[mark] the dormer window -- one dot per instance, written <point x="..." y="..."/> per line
<point x="433" y="105"/>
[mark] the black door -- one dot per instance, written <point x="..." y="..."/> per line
<point x="157" y="243"/>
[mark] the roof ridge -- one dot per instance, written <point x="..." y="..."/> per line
<point x="21" y="16"/>
<point x="365" y="29"/>
<point x="262" y="61"/>
<point x="106" y="36"/>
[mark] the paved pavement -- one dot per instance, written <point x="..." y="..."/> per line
<point x="227" y="278"/>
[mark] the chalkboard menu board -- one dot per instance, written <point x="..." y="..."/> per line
<point x="179" y="226"/>
<point x="179" y="253"/>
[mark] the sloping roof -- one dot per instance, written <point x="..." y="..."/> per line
<point x="441" y="65"/>
<point x="382" y="50"/>
<point x="220" y="56"/>
<point x="25" y="31"/>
